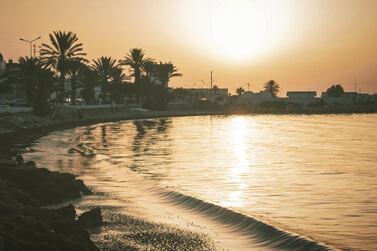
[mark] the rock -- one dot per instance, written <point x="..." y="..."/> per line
<point x="8" y="209"/>
<point x="67" y="211"/>
<point x="67" y="226"/>
<point x="8" y="162"/>
<point x="20" y="160"/>
<point x="91" y="218"/>
<point x="63" y="242"/>
<point x="10" y="245"/>
<point x="30" y="163"/>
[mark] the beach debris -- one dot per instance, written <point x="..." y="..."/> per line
<point x="91" y="218"/>
<point x="83" y="149"/>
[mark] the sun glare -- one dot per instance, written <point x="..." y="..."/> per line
<point x="238" y="29"/>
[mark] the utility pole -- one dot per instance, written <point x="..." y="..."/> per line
<point x="355" y="85"/>
<point x="30" y="44"/>
<point x="248" y="87"/>
<point x="211" y="79"/>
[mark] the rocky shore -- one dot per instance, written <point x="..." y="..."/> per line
<point x="29" y="221"/>
<point x="25" y="222"/>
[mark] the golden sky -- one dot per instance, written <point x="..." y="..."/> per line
<point x="302" y="44"/>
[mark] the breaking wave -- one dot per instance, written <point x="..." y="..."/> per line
<point x="264" y="234"/>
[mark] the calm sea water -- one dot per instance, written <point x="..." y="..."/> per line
<point x="313" y="175"/>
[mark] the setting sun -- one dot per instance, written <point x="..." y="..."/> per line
<point x="238" y="29"/>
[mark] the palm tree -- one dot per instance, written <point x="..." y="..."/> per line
<point x="166" y="71"/>
<point x="272" y="87"/>
<point x="45" y="79"/>
<point x="105" y="67"/>
<point x="149" y="68"/>
<point x="64" y="47"/>
<point x="136" y="60"/>
<point x="240" y="90"/>
<point x="74" y="68"/>
<point x="29" y="68"/>
<point x="117" y="75"/>
<point x="89" y="78"/>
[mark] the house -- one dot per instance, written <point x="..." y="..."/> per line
<point x="302" y="97"/>
<point x="2" y="65"/>
<point x="374" y="97"/>
<point x="348" y="98"/>
<point x="251" y="98"/>
<point x="216" y="95"/>
<point x="10" y="86"/>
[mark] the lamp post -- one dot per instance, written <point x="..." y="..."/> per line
<point x="30" y="43"/>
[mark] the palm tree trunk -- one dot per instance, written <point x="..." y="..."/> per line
<point x="61" y="87"/>
<point x="73" y="90"/>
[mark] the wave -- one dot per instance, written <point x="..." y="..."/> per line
<point x="264" y="234"/>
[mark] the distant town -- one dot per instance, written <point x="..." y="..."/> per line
<point x="61" y="76"/>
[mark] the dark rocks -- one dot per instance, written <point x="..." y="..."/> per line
<point x="20" y="160"/>
<point x="67" y="211"/>
<point x="25" y="225"/>
<point x="8" y="162"/>
<point x="67" y="226"/>
<point x="91" y="218"/>
<point x="48" y="187"/>
<point x="30" y="163"/>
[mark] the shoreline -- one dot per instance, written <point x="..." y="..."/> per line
<point x="14" y="141"/>
<point x="41" y="126"/>
<point x="56" y="235"/>
<point x="23" y="136"/>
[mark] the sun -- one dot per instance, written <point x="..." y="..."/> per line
<point x="238" y="29"/>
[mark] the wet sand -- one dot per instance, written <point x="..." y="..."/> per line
<point x="120" y="230"/>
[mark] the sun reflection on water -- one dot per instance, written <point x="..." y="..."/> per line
<point x="238" y="133"/>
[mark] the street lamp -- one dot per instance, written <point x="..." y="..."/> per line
<point x="30" y="43"/>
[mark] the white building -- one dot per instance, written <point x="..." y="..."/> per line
<point x="251" y="98"/>
<point x="348" y="98"/>
<point x="217" y="95"/>
<point x="302" y="97"/>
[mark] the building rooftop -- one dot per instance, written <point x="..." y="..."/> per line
<point x="302" y="92"/>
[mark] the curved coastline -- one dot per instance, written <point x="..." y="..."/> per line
<point x="264" y="233"/>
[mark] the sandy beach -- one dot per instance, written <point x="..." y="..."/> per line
<point x="120" y="230"/>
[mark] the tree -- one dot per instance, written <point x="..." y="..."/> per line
<point x="136" y="60"/>
<point x="335" y="91"/>
<point x="272" y="87"/>
<point x="64" y="47"/>
<point x="149" y="68"/>
<point x="117" y="75"/>
<point x="240" y="90"/>
<point x="29" y="68"/>
<point x="117" y="87"/>
<point x="166" y="71"/>
<point x="37" y="81"/>
<point x="105" y="67"/>
<point x="90" y="79"/>
<point x="45" y="78"/>
<point x="74" y="68"/>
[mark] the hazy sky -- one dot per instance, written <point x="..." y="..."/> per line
<point x="302" y="44"/>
